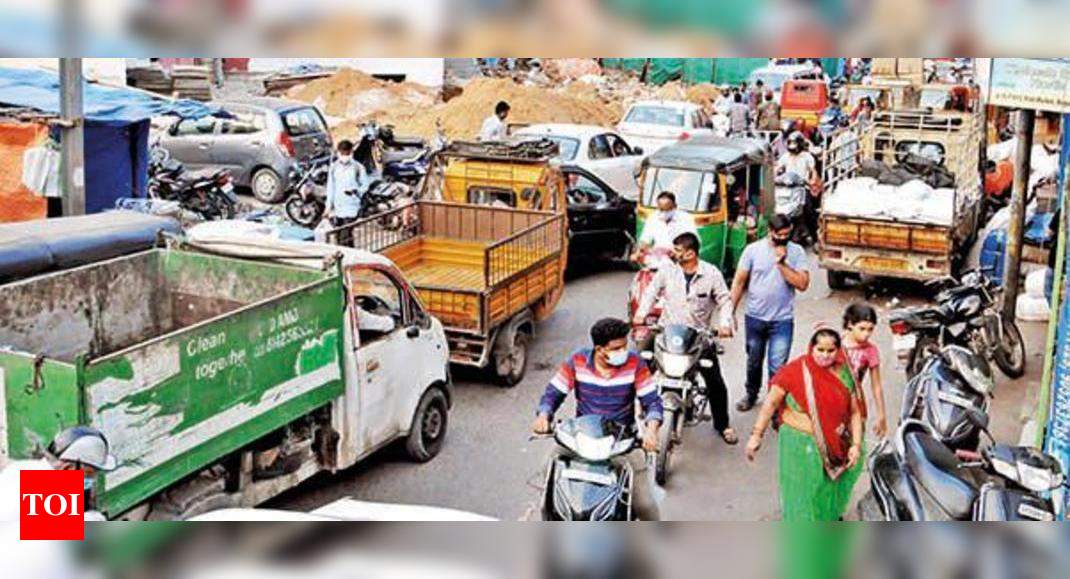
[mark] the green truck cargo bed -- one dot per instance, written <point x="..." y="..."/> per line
<point x="180" y="358"/>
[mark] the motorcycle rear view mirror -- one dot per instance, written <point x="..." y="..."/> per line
<point x="705" y="363"/>
<point x="646" y="355"/>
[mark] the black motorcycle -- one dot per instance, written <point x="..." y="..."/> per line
<point x="966" y="313"/>
<point x="306" y="204"/>
<point x="209" y="193"/>
<point x="951" y="394"/>
<point x="676" y="359"/>
<point x="915" y="477"/>
<point x="589" y="479"/>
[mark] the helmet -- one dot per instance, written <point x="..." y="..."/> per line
<point x="83" y="445"/>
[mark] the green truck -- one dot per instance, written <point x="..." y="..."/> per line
<point x="200" y="361"/>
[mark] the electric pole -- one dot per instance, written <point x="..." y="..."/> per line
<point x="1023" y="131"/>
<point x="72" y="144"/>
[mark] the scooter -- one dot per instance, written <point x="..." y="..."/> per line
<point x="650" y="260"/>
<point x="589" y="479"/>
<point x="209" y="193"/>
<point x="791" y="191"/>
<point x="677" y="358"/>
<point x="967" y="313"/>
<point x="950" y="386"/>
<point x="915" y="477"/>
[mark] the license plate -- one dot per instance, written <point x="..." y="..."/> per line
<point x="904" y="342"/>
<point x="1031" y="512"/>
<point x="884" y="264"/>
<point x="671" y="383"/>
<point x="227" y="187"/>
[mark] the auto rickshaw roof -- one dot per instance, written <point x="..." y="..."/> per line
<point x="515" y="149"/>
<point x="707" y="152"/>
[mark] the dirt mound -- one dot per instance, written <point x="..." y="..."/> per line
<point x="463" y="115"/>
<point x="355" y="95"/>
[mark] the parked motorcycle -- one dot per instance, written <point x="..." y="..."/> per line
<point x="412" y="169"/>
<point x="209" y="193"/>
<point x="967" y="313"/>
<point x="589" y="479"/>
<point x="307" y="201"/>
<point x="915" y="477"/>
<point x="951" y="394"/>
<point x="677" y="358"/>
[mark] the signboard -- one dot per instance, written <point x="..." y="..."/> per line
<point x="1030" y="83"/>
<point x="1057" y="433"/>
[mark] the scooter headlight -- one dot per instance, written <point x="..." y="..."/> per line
<point x="594" y="449"/>
<point x="1038" y="479"/>
<point x="674" y="365"/>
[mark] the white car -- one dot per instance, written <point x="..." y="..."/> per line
<point x="655" y="124"/>
<point x="599" y="150"/>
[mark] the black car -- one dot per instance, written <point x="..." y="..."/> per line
<point x="601" y="222"/>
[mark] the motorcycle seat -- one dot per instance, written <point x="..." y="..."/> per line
<point x="197" y="175"/>
<point x="401" y="155"/>
<point x="939" y="473"/>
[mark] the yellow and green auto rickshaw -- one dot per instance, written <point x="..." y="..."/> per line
<point x="726" y="184"/>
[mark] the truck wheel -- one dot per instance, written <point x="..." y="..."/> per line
<point x="837" y="280"/>
<point x="429" y="424"/>
<point x="510" y="369"/>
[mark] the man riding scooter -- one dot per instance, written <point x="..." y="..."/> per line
<point x="693" y="291"/>
<point x="655" y="249"/>
<point x="607" y="379"/>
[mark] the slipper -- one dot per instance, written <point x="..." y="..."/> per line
<point x="729" y="435"/>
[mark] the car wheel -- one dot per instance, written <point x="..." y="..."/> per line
<point x="429" y="424"/>
<point x="266" y="185"/>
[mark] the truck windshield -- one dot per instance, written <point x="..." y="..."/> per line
<point x="694" y="190"/>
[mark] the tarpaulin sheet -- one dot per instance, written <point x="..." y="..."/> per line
<point x="662" y="70"/>
<point x="116" y="163"/>
<point x="736" y="70"/>
<point x="17" y="203"/>
<point x="39" y="89"/>
<point x="698" y="70"/>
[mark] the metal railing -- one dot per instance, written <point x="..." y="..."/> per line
<point x="523" y="249"/>
<point x="378" y="232"/>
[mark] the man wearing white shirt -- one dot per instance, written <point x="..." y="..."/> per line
<point x="494" y="128"/>
<point x="346" y="181"/>
<point x="669" y="223"/>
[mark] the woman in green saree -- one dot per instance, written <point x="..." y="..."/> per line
<point x="820" y="433"/>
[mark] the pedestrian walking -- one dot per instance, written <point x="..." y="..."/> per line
<point x="694" y="293"/>
<point x="346" y="182"/>
<point x="859" y="322"/>
<point x="770" y="272"/>
<point x="769" y="113"/>
<point x="819" y="442"/>
<point x="738" y="115"/>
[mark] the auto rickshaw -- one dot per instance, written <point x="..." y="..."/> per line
<point x="726" y="184"/>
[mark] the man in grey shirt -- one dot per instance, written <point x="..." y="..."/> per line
<point x="738" y="115"/>
<point x="770" y="271"/>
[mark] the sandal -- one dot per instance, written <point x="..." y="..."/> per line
<point x="729" y="435"/>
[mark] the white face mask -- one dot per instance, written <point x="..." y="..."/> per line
<point x="345" y="158"/>
<point x="617" y="358"/>
<point x="667" y="216"/>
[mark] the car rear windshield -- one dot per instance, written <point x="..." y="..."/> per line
<point x="303" y="122"/>
<point x="656" y="116"/>
<point x="566" y="147"/>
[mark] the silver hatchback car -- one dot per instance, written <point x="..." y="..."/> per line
<point x="259" y="145"/>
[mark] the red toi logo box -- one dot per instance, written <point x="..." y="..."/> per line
<point x="51" y="505"/>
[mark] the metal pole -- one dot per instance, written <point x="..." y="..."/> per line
<point x="1023" y="130"/>
<point x="72" y="146"/>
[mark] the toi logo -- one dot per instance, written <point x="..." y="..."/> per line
<point x="51" y="505"/>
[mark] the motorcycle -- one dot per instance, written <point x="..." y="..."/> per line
<point x="209" y="193"/>
<point x="791" y="191"/>
<point x="649" y="261"/>
<point x="951" y="394"/>
<point x="676" y="359"/>
<point x="589" y="479"/>
<point x="966" y="314"/>
<point x="915" y="477"/>
<point x="412" y="169"/>
<point x="306" y="203"/>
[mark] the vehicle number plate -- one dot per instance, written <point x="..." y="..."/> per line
<point x="1031" y="512"/>
<point x="904" y="342"/>
<point x="228" y="187"/>
<point x="884" y="264"/>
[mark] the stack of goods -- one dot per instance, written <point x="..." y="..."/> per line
<point x="192" y="82"/>
<point x="151" y="78"/>
<point x="914" y="201"/>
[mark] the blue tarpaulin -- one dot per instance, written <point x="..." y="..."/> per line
<point x="39" y="89"/>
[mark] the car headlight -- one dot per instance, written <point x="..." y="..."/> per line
<point x="594" y="449"/>
<point x="675" y="365"/>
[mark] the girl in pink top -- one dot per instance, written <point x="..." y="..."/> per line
<point x="859" y="321"/>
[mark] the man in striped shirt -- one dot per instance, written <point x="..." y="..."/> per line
<point x="607" y="379"/>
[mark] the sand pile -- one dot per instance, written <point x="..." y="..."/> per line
<point x="355" y="95"/>
<point x="463" y="115"/>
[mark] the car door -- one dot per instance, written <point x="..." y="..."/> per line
<point x="242" y="143"/>
<point x="600" y="220"/>
<point x="190" y="141"/>
<point x="382" y="354"/>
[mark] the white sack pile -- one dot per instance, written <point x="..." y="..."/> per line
<point x="911" y="201"/>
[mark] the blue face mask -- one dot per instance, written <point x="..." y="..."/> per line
<point x="617" y="358"/>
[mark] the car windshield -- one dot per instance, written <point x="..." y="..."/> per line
<point x="652" y="115"/>
<point x="694" y="190"/>
<point x="566" y="147"/>
<point x="770" y="80"/>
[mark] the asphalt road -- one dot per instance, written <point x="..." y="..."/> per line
<point x="489" y="466"/>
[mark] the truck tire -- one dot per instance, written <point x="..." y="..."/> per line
<point x="429" y="424"/>
<point x="511" y="369"/>
<point x="837" y="280"/>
